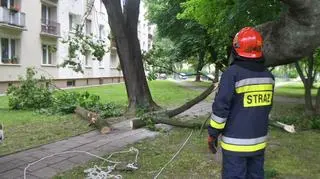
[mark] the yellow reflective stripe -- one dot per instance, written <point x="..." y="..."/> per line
<point x="216" y="125"/>
<point x="243" y="148"/>
<point x="251" y="88"/>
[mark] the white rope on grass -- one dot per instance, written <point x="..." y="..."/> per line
<point x="174" y="156"/>
<point x="96" y="172"/>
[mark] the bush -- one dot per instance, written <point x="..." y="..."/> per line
<point x="35" y="94"/>
<point x="32" y="93"/>
<point x="66" y="103"/>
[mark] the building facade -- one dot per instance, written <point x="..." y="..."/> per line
<point x="31" y="35"/>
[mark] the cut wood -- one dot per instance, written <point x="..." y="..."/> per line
<point x="93" y="119"/>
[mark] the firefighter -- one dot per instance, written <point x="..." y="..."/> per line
<point x="241" y="109"/>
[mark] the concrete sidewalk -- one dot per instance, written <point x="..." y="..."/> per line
<point x="12" y="166"/>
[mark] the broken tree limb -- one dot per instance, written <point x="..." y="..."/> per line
<point x="196" y="100"/>
<point x="93" y="119"/>
<point x="138" y="123"/>
<point x="285" y="127"/>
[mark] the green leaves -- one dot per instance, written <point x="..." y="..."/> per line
<point x="36" y="94"/>
<point x="224" y="18"/>
<point x="32" y="93"/>
<point x="80" y="43"/>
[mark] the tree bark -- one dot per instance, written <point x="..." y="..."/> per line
<point x="123" y="24"/>
<point x="294" y="35"/>
<point x="191" y="103"/>
<point x="200" y="66"/>
<point x="138" y="123"/>
<point x="317" y="106"/>
<point x="307" y="83"/>
<point x="216" y="73"/>
<point x="93" y="119"/>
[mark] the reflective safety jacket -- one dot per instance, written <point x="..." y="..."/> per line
<point x="241" y="109"/>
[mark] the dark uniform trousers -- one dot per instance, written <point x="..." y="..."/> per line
<point x="238" y="167"/>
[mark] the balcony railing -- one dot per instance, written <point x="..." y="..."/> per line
<point x="12" y="17"/>
<point x="50" y="27"/>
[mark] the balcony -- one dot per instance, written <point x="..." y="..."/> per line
<point x="50" y="28"/>
<point x="12" y="18"/>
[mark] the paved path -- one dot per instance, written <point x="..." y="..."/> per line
<point x="12" y="166"/>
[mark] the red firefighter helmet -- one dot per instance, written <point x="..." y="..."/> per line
<point x="248" y="43"/>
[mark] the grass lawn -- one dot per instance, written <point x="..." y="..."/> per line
<point x="26" y="129"/>
<point x="287" y="156"/>
<point x="294" y="90"/>
<point x="164" y="93"/>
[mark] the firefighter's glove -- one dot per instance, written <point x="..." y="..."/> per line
<point x="212" y="144"/>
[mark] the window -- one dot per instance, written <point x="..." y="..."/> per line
<point x="71" y="83"/>
<point x="8" y="51"/>
<point x="101" y="64"/>
<point x="74" y="21"/>
<point x="45" y="14"/>
<point x="87" y="60"/>
<point x="113" y="60"/>
<point x="88" y="27"/>
<point x="48" y="54"/>
<point x="7" y="3"/>
<point x="101" y="31"/>
<point x="70" y="22"/>
<point x="101" y="5"/>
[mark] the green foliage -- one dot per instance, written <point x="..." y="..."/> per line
<point x="80" y="43"/>
<point x="161" y="58"/>
<point x="188" y="37"/>
<point x="315" y="122"/>
<point x="223" y="18"/>
<point x="66" y="103"/>
<point x="294" y="114"/>
<point x="32" y="93"/>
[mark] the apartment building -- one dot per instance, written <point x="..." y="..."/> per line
<point x="31" y="34"/>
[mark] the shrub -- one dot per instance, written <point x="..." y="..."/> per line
<point x="31" y="93"/>
<point x="66" y="103"/>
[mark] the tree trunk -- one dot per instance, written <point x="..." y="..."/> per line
<point x="317" y="106"/>
<point x="93" y="119"/>
<point x="294" y="35"/>
<point x="216" y="73"/>
<point x="308" y="98"/>
<point x="307" y="83"/>
<point x="200" y="66"/>
<point x="123" y="24"/>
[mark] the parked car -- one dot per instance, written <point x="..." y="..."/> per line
<point x="162" y="76"/>
<point x="183" y="76"/>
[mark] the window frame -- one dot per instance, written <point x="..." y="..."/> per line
<point x="11" y="52"/>
<point x="49" y="55"/>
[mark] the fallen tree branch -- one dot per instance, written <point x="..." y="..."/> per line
<point x="138" y="123"/>
<point x="93" y="119"/>
<point x="196" y="100"/>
